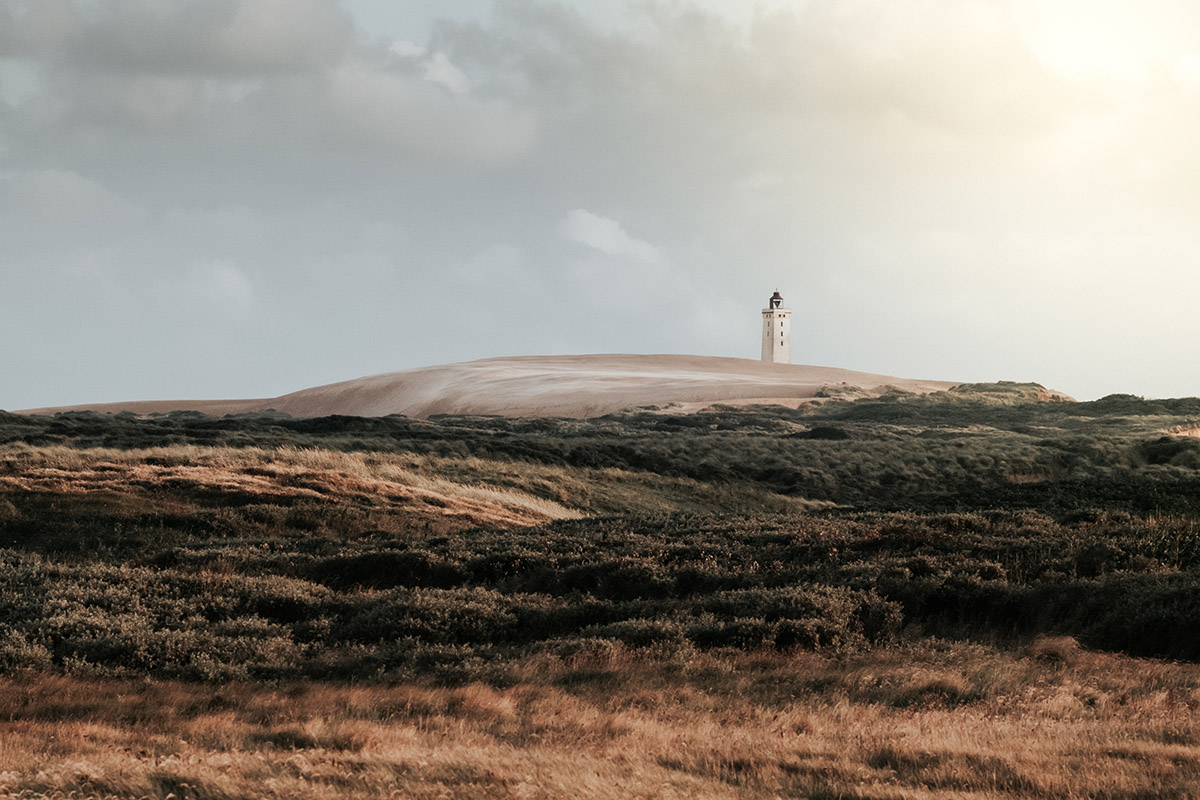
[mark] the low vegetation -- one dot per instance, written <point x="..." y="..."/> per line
<point x="905" y="596"/>
<point x="979" y="446"/>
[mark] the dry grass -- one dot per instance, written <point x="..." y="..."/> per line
<point x="271" y="476"/>
<point x="467" y="491"/>
<point x="929" y="723"/>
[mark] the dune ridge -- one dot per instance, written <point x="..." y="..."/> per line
<point x="578" y="386"/>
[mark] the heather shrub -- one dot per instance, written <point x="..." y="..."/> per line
<point x="18" y="653"/>
<point x="268" y="548"/>
<point x="387" y="569"/>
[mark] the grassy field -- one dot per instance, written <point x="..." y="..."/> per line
<point x="970" y="594"/>
<point x="936" y="720"/>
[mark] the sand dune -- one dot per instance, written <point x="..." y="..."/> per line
<point x="549" y="386"/>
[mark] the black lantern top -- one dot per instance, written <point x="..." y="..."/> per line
<point x="776" y="300"/>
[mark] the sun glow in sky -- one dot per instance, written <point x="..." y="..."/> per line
<point x="1111" y="39"/>
<point x="230" y="198"/>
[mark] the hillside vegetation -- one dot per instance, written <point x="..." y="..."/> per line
<point x="755" y="601"/>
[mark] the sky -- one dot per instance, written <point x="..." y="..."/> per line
<point x="242" y="198"/>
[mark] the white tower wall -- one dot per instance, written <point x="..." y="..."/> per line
<point x="777" y="335"/>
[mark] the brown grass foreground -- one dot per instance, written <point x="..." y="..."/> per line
<point x="934" y="721"/>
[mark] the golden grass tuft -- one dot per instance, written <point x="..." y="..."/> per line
<point x="1055" y="649"/>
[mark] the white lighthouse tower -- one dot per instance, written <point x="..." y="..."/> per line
<point x="777" y="331"/>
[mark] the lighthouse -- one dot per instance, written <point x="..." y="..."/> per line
<point x="777" y="331"/>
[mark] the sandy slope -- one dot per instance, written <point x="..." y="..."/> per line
<point x="532" y="386"/>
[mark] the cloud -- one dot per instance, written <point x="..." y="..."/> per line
<point x="607" y="236"/>
<point x="284" y="33"/>
<point x="30" y="26"/>
<point x="360" y="105"/>
<point x="188" y="36"/>
<point x="496" y="265"/>
<point x="436" y="67"/>
<point x="621" y="276"/>
<point x="266" y="78"/>
<point x="439" y="70"/>
<point x="64" y="197"/>
<point x="408" y="49"/>
<point x="900" y="169"/>
<point x="221" y="285"/>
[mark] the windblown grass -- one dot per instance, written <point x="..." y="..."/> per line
<point x="480" y="491"/>
<point x="270" y="476"/>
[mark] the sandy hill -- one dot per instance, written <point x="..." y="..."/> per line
<point x="546" y="386"/>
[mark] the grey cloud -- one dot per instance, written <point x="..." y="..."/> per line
<point x="311" y="203"/>
<point x="66" y="198"/>
<point x="394" y="111"/>
<point x="265" y="77"/>
<point x="607" y="236"/>
<point x="34" y="26"/>
<point x="184" y="36"/>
